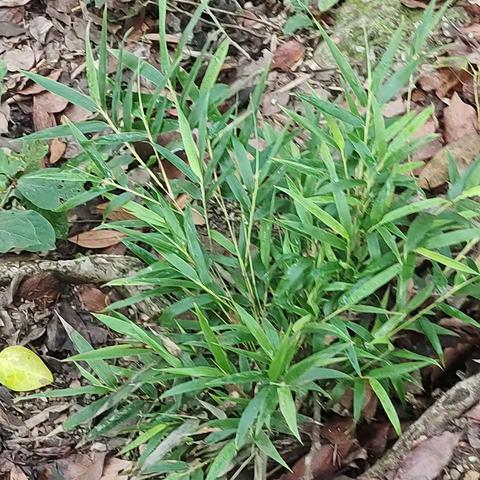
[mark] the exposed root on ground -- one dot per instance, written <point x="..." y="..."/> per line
<point x="451" y="405"/>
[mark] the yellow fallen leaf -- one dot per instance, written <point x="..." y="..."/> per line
<point x="22" y="370"/>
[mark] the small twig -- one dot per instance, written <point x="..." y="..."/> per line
<point x="235" y="14"/>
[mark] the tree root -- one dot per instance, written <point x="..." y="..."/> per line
<point x="451" y="405"/>
<point x="98" y="269"/>
<point x="92" y="269"/>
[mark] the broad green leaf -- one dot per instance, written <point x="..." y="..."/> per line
<point x="89" y="126"/>
<point x="69" y="93"/>
<point x="22" y="370"/>
<point x="50" y="188"/>
<point x="288" y="409"/>
<point x="256" y="329"/>
<point x="387" y="404"/>
<point x="296" y="22"/>
<point x="140" y="66"/>
<point x="25" y="230"/>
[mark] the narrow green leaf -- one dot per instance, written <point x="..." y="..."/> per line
<point x="444" y="260"/>
<point x="387" y="404"/>
<point x="70" y="94"/>
<point x="288" y="409"/>
<point x="223" y="461"/>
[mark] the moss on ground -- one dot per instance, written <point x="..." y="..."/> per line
<point x="379" y="19"/>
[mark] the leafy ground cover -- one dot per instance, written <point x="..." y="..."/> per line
<point x="299" y="265"/>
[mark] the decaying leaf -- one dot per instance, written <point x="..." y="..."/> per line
<point x="22" y="370"/>
<point x="116" y="214"/>
<point x="429" y="458"/>
<point x="394" y="108"/>
<point x="16" y="473"/>
<point x="460" y="119"/>
<point x="57" y="149"/>
<point x="19" y="59"/>
<point x="43" y="288"/>
<point x="288" y="55"/>
<point x="97" y="238"/>
<point x="114" y="467"/>
<point x="93" y="299"/>
<point x="77" y="467"/>
<point x="39" y="28"/>
<point x="49" y="102"/>
<point x="464" y="151"/>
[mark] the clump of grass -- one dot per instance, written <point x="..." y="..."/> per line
<point x="336" y="252"/>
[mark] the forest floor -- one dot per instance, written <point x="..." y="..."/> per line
<point x="48" y="37"/>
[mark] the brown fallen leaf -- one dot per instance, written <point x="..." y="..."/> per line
<point x="92" y="298"/>
<point x="113" y="467"/>
<point x="10" y="29"/>
<point x="441" y="81"/>
<point x="77" y="114"/>
<point x="3" y="123"/>
<point x="16" y="473"/>
<point x="57" y="149"/>
<point x="287" y="55"/>
<point x="116" y="214"/>
<point x="430" y="149"/>
<point x="41" y="118"/>
<point x="76" y="467"/>
<point x="98" y="238"/>
<point x="395" y="108"/>
<point x="19" y="59"/>
<point x="472" y="31"/>
<point x="464" y="151"/>
<point x="43" y="288"/>
<point x="460" y="119"/>
<point x="35" y="88"/>
<point x="49" y="102"/>
<point x="39" y="28"/>
<point x="12" y="14"/>
<point x="429" y="458"/>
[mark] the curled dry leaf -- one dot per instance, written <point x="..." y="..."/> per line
<point x="12" y="14"/>
<point x="10" y="29"/>
<point x="288" y="55"/>
<point x="93" y="299"/>
<point x="16" y="473"/>
<point x="57" y="149"/>
<point x="464" y="151"/>
<point x="441" y="81"/>
<point x="415" y="4"/>
<point x="97" y="238"/>
<point x="429" y="458"/>
<point x="19" y="59"/>
<point x="460" y="119"/>
<point x="77" y="114"/>
<point x="395" y="108"/>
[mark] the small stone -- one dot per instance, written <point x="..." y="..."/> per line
<point x="473" y="459"/>
<point x="471" y="475"/>
<point x="460" y="468"/>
